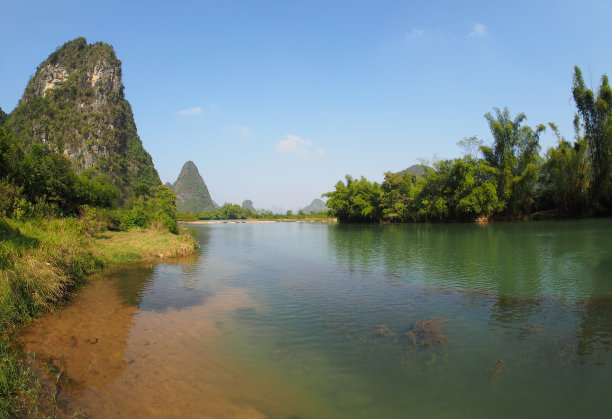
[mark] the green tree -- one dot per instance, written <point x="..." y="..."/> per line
<point x="515" y="155"/>
<point x="399" y="191"/>
<point x="229" y="212"/>
<point x="596" y="116"/>
<point x="356" y="201"/>
<point x="459" y="189"/>
<point x="565" y="175"/>
<point x="11" y="154"/>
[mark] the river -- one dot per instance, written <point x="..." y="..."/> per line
<point x="299" y="320"/>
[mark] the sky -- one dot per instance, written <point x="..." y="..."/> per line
<point x="275" y="101"/>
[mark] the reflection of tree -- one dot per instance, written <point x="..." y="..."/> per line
<point x="133" y="281"/>
<point x="510" y="311"/>
<point x="506" y="258"/>
<point x="595" y="333"/>
<point x="356" y="245"/>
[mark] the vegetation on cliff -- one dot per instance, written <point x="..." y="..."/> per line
<point x="191" y="192"/>
<point x="78" y="192"/>
<point x="509" y="178"/>
<point x="75" y="105"/>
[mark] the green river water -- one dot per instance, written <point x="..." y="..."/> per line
<point x="375" y="321"/>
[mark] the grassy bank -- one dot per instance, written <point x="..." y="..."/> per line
<point x="42" y="262"/>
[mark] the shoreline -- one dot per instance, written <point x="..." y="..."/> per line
<point x="43" y="263"/>
<point x="255" y="221"/>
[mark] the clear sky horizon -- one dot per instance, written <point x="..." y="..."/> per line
<point x="277" y="101"/>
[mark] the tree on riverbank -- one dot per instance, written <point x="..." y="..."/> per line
<point x="510" y="178"/>
<point x="596" y="118"/>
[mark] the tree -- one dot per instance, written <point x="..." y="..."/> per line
<point x="399" y="191"/>
<point x="565" y="174"/>
<point x="515" y="156"/>
<point x="596" y="117"/>
<point x="229" y="212"/>
<point x="459" y="189"/>
<point x="356" y="201"/>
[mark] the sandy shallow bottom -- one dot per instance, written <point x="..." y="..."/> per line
<point x="105" y="358"/>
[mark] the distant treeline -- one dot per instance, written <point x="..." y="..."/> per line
<point x="508" y="178"/>
<point x="235" y="212"/>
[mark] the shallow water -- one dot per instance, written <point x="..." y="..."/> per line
<point x="315" y="320"/>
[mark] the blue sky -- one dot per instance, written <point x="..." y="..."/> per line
<point x="277" y="101"/>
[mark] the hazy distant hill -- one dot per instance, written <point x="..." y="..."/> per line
<point x="75" y="104"/>
<point x="248" y="205"/>
<point x="191" y="192"/>
<point x="418" y="170"/>
<point x="316" y="205"/>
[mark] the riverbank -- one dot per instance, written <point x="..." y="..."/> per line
<point x="258" y="221"/>
<point x="42" y="263"/>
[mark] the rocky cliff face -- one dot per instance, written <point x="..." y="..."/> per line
<point x="75" y="104"/>
<point x="191" y="192"/>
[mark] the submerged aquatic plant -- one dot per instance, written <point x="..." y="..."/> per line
<point x="383" y="330"/>
<point x="495" y="368"/>
<point x="427" y="333"/>
<point x="531" y="329"/>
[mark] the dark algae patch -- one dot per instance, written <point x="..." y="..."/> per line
<point x="428" y="333"/>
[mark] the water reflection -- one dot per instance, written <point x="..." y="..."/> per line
<point x="354" y="321"/>
<point x="568" y="259"/>
<point x="594" y="334"/>
<point x="158" y="287"/>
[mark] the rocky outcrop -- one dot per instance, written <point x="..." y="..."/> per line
<point x="75" y="104"/>
<point x="191" y="192"/>
<point x="315" y="206"/>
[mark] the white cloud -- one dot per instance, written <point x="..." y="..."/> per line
<point x="479" y="30"/>
<point x="416" y="33"/>
<point x="240" y="129"/>
<point x="212" y="107"/>
<point x="191" y="111"/>
<point x="293" y="144"/>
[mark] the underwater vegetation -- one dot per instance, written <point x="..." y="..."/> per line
<point x="427" y="333"/>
